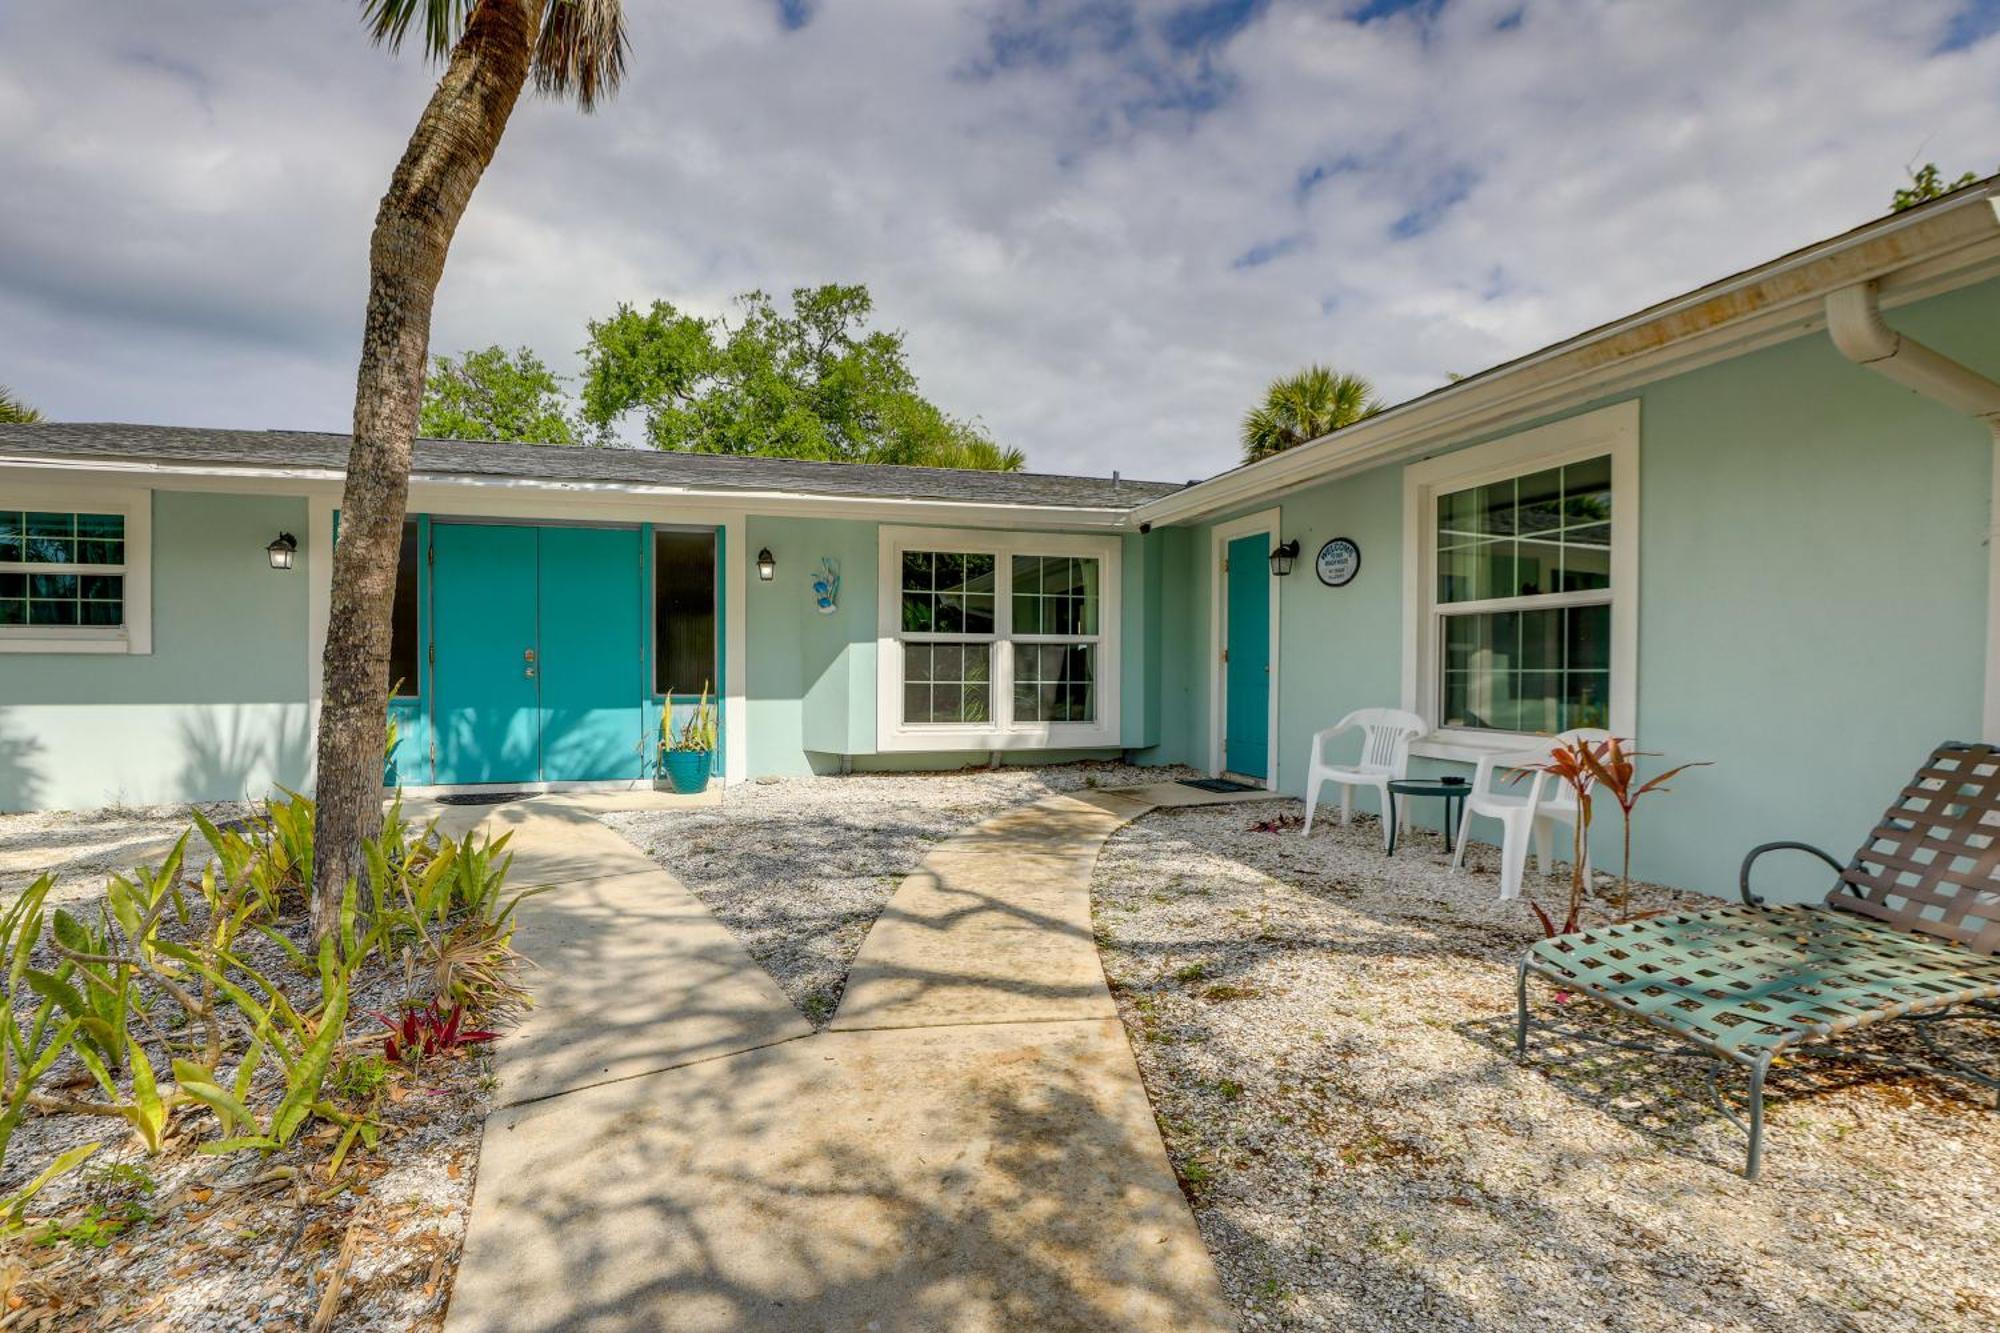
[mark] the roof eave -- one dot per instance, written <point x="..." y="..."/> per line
<point x="1928" y="250"/>
<point x="975" y="513"/>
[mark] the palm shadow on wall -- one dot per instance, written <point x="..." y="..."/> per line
<point x="237" y="753"/>
<point x="21" y="779"/>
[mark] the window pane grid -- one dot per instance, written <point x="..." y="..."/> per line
<point x="948" y="592"/>
<point x="62" y="569"/>
<point x="1055" y="682"/>
<point x="947" y="682"/>
<point x="1055" y="595"/>
<point x="1547" y="532"/>
<point x="1542" y="670"/>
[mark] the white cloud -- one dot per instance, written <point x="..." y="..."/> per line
<point x="1103" y="224"/>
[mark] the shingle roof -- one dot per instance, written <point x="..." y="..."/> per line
<point x="646" y="467"/>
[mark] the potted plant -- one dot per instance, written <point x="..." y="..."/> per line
<point x="687" y="757"/>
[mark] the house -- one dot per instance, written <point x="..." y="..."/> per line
<point x="1748" y="525"/>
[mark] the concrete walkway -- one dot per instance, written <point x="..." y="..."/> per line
<point x="967" y="1147"/>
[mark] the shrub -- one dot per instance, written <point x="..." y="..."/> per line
<point x="424" y="1032"/>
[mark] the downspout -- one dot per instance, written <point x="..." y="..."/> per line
<point x="1854" y="320"/>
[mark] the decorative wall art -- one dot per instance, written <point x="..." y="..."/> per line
<point x="826" y="586"/>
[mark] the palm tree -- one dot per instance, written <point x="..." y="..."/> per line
<point x="1301" y="407"/>
<point x="14" y="412"/>
<point x="490" y="48"/>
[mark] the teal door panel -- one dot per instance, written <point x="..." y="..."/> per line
<point x="593" y="655"/>
<point x="486" y="681"/>
<point x="409" y="761"/>
<point x="1247" y="672"/>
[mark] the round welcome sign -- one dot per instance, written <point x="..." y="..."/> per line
<point x="1338" y="562"/>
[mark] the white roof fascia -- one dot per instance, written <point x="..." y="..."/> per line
<point x="526" y="496"/>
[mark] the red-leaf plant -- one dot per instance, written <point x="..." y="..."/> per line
<point x="1574" y="765"/>
<point x="422" y="1033"/>
<point x="1612" y="767"/>
<point x="1585" y="767"/>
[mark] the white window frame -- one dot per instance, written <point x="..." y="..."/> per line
<point x="1611" y="430"/>
<point x="1001" y="732"/>
<point x="135" y="506"/>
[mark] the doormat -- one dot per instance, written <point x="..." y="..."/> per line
<point x="1217" y="785"/>
<point x="482" y="798"/>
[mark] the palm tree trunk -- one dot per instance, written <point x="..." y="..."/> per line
<point x="453" y="142"/>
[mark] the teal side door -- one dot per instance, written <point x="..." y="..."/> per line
<point x="1246" y="725"/>
<point x="593" y="654"/>
<point x="486" y="712"/>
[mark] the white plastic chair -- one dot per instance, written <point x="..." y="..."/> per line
<point x="1385" y="758"/>
<point x="1531" y="812"/>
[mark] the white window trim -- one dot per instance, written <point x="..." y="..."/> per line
<point x="1003" y="733"/>
<point x="1612" y="430"/>
<point x="1268" y="522"/>
<point x="135" y="636"/>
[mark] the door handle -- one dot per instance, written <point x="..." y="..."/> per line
<point x="528" y="660"/>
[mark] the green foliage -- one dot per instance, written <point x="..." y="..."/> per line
<point x="425" y="899"/>
<point x="1301" y="407"/>
<point x="15" y="412"/>
<point x="493" y="394"/>
<point x="579" y="51"/>
<point x="13" y="1208"/>
<point x="32" y="1037"/>
<point x="92" y="988"/>
<point x="814" y="382"/>
<point x="356" y="1078"/>
<point x="95" y="1227"/>
<point x="121" y="1178"/>
<point x="1927" y="183"/>
<point x="697" y="733"/>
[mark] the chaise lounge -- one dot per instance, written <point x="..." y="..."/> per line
<point x="1908" y="931"/>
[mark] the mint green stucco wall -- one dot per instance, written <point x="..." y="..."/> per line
<point x="1813" y="579"/>
<point x="811" y="689"/>
<point x="811" y="677"/>
<point x="216" y="711"/>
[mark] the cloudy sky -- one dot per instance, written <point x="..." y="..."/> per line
<point x="1104" y="224"/>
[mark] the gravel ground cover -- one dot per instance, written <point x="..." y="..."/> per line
<point x="799" y="868"/>
<point x="183" y="1240"/>
<point x="1326" y="1038"/>
<point x="82" y="848"/>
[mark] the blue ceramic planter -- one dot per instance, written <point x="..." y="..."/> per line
<point x="688" y="770"/>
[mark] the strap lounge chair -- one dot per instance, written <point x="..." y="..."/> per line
<point x="1908" y="931"/>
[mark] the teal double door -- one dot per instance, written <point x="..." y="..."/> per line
<point x="538" y="648"/>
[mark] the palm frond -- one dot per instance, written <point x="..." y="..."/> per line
<point x="389" y="22"/>
<point x="581" y="53"/>
<point x="1303" y="406"/>
<point x="15" y="412"/>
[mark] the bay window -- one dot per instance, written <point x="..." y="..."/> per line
<point x="996" y="641"/>
<point x="1526" y="587"/>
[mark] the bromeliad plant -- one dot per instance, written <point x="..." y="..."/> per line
<point x="421" y="1033"/>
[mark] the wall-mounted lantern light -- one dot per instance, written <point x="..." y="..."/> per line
<point x="767" y="566"/>
<point x="1281" y="559"/>
<point x="282" y="550"/>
